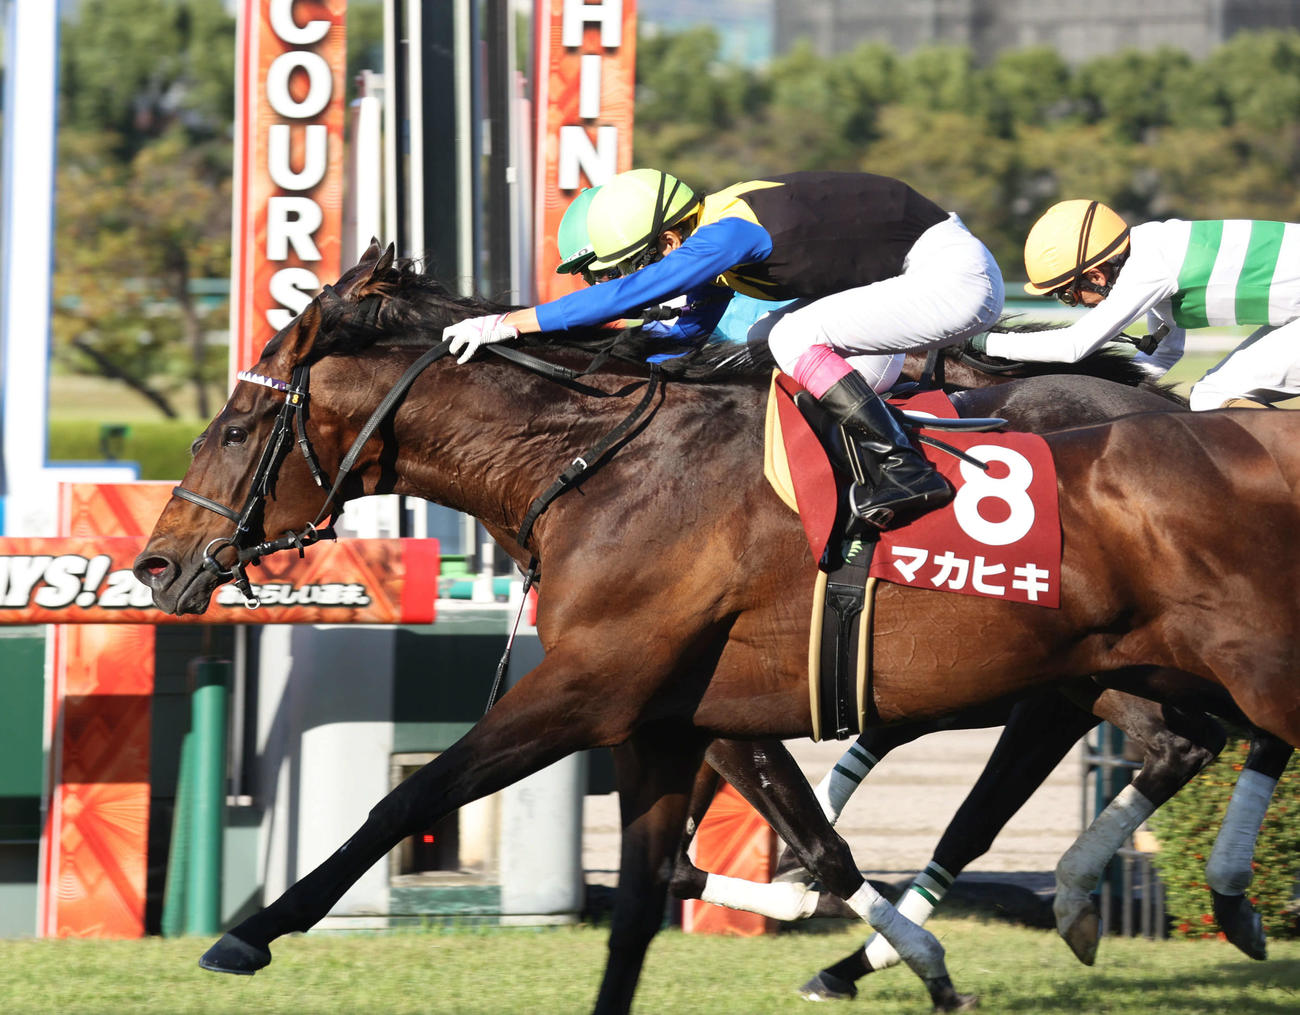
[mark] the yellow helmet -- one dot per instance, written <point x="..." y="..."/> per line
<point x="1070" y="238"/>
<point x="631" y="210"/>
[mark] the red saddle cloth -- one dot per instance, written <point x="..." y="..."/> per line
<point x="1001" y="535"/>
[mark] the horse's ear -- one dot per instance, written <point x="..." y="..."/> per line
<point x="386" y="261"/>
<point x="371" y="254"/>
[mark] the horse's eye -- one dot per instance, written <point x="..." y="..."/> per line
<point x="233" y="435"/>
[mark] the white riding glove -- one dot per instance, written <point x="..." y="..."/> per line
<point x="477" y="331"/>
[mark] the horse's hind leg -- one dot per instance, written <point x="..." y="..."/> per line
<point x="654" y="769"/>
<point x="766" y="775"/>
<point x="502" y="748"/>
<point x="1040" y="731"/>
<point x="1175" y="745"/>
<point x="1229" y="871"/>
<point x="846" y="775"/>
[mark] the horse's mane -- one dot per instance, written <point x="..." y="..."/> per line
<point x="394" y="302"/>
<point x="1107" y="363"/>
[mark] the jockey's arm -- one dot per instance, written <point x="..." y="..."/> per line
<point x="707" y="253"/>
<point x="1134" y="293"/>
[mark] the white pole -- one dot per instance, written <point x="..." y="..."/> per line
<point x="30" y="116"/>
<point x="465" y="168"/>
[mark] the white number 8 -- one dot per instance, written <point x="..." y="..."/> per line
<point x="1012" y="489"/>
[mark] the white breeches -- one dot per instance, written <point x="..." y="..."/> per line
<point x="1266" y="367"/>
<point x="950" y="289"/>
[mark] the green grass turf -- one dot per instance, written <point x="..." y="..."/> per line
<point x="557" y="970"/>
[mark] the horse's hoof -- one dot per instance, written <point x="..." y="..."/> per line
<point x="828" y="987"/>
<point x="1241" y="924"/>
<point x="1083" y="935"/>
<point x="945" y="996"/>
<point x="231" y="955"/>
<point x="1078" y="922"/>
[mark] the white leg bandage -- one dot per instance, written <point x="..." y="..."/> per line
<point x="1081" y="866"/>
<point x="916" y="946"/>
<point x="834" y="790"/>
<point x="779" y="901"/>
<point x="917" y="903"/>
<point x="1228" y="871"/>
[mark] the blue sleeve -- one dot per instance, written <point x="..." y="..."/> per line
<point x="706" y="254"/>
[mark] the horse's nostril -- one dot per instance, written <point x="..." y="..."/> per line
<point x="148" y="568"/>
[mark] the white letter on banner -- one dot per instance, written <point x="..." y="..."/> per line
<point x="284" y="26"/>
<point x="281" y="230"/>
<point x="292" y="288"/>
<point x="576" y="15"/>
<point x="576" y="153"/>
<point x="62" y="582"/>
<point x="315" y="156"/>
<point x="589" y="86"/>
<point x="318" y="94"/>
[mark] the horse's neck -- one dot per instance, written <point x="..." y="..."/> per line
<point x="484" y="438"/>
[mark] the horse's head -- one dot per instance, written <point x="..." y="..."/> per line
<point x="248" y="490"/>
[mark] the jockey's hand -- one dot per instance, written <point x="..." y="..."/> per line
<point x="977" y="344"/>
<point x="476" y="331"/>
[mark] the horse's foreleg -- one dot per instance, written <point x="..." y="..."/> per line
<point x="1040" y="731"/>
<point x="1175" y="745"/>
<point x="654" y="769"/>
<point x="1229" y="871"/>
<point x="533" y="726"/>
<point x="768" y="777"/>
<point x="688" y="880"/>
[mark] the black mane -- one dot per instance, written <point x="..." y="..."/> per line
<point x="401" y="305"/>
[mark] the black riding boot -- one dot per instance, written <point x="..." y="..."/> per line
<point x="902" y="483"/>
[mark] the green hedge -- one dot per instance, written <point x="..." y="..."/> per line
<point x="162" y="449"/>
<point x="1186" y="827"/>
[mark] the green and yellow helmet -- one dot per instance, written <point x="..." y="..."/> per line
<point x="1067" y="240"/>
<point x="631" y="210"/>
<point x="571" y="238"/>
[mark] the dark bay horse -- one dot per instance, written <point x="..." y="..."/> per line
<point x="1175" y="743"/>
<point x="676" y="587"/>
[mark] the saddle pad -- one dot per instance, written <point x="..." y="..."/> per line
<point x="1000" y="537"/>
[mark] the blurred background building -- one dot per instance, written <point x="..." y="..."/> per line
<point x="753" y="31"/>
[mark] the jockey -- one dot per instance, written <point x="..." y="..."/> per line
<point x="576" y="254"/>
<point x="1181" y="275"/>
<point x="874" y="269"/>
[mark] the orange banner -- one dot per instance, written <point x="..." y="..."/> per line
<point x="586" y="89"/>
<point x="88" y="580"/>
<point x="288" y="187"/>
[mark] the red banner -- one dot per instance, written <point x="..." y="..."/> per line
<point x="288" y="185"/>
<point x="88" y="580"/>
<point x="585" y="70"/>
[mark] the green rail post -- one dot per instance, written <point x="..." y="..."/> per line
<point x="175" y="903"/>
<point x="207" y="791"/>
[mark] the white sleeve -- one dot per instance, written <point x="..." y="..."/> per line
<point x="1140" y="286"/>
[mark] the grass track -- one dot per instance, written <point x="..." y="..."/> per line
<point x="557" y="971"/>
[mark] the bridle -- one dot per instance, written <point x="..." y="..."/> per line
<point x="291" y="419"/>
